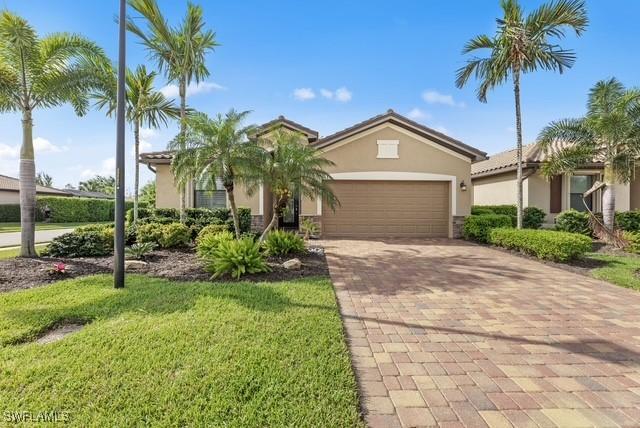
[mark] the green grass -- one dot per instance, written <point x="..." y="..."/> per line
<point x="15" y="227"/>
<point x="619" y="270"/>
<point x="10" y="253"/>
<point x="179" y="354"/>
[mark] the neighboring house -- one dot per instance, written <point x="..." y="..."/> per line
<point x="393" y="177"/>
<point x="10" y="190"/>
<point x="86" y="194"/>
<point x="494" y="183"/>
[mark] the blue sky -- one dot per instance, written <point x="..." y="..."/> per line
<point x="329" y="65"/>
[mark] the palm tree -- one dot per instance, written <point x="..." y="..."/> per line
<point x="291" y="167"/>
<point x="41" y="73"/>
<point x="145" y="107"/>
<point x="179" y="52"/>
<point x="609" y="133"/>
<point x="215" y="149"/>
<point x="522" y="45"/>
<point x="44" y="179"/>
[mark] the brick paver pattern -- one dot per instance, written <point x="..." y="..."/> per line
<point x="446" y="333"/>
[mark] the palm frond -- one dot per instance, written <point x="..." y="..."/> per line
<point x="553" y="18"/>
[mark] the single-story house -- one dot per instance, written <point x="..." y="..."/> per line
<point x="87" y="194"/>
<point x="393" y="177"/>
<point x="494" y="183"/>
<point x="10" y="190"/>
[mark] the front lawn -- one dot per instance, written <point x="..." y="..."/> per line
<point x="618" y="269"/>
<point x="15" y="227"/>
<point x="13" y="252"/>
<point x="179" y="354"/>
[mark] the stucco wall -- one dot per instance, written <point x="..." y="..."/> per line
<point x="495" y="190"/>
<point x="167" y="195"/>
<point x="634" y="189"/>
<point x="244" y="200"/>
<point x="359" y="154"/>
<point x="9" y="197"/>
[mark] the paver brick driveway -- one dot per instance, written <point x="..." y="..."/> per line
<point x="445" y="333"/>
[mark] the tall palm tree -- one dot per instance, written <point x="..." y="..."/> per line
<point x="609" y="133"/>
<point x="145" y="107"/>
<point x="522" y="45"/>
<point x="290" y="167"/>
<point x="40" y="73"/>
<point x="179" y="52"/>
<point x="215" y="149"/>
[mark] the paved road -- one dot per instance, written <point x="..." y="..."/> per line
<point x="12" y="239"/>
<point x="445" y="333"/>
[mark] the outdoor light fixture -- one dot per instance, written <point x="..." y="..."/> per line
<point x="463" y="186"/>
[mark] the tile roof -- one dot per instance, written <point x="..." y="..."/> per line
<point x="506" y="159"/>
<point x="13" y="184"/>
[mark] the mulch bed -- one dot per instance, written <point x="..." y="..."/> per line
<point x="175" y="265"/>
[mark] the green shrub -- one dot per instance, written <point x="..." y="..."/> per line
<point x="573" y="221"/>
<point x="477" y="227"/>
<point x="208" y="243"/>
<point x="629" y="221"/>
<point x="633" y="242"/>
<point x="237" y="258"/>
<point x="171" y="213"/>
<point x="91" y="243"/>
<point x="480" y="210"/>
<point x="139" y="251"/>
<point x="244" y="218"/>
<point x="211" y="229"/>
<point x="309" y="228"/>
<point x="543" y="244"/>
<point x="280" y="243"/>
<point x="532" y="218"/>
<point x="143" y="213"/>
<point x="150" y="232"/>
<point x="9" y="213"/>
<point x="175" y="235"/>
<point x="94" y="227"/>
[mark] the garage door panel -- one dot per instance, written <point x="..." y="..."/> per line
<point x="388" y="209"/>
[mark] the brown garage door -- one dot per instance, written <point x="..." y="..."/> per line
<point x="372" y="209"/>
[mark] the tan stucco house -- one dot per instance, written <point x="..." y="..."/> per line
<point x="10" y="190"/>
<point x="494" y="183"/>
<point x="393" y="177"/>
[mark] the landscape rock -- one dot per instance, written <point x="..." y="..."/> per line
<point x="134" y="265"/>
<point x="292" y="264"/>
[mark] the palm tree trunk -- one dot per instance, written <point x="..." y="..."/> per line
<point x="608" y="199"/>
<point x="276" y="208"/>
<point x="27" y="188"/>
<point x="234" y="209"/>
<point x="516" y="92"/>
<point x="136" y="184"/>
<point x="182" y="89"/>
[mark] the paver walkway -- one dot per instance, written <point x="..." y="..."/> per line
<point x="445" y="333"/>
<point x="10" y="239"/>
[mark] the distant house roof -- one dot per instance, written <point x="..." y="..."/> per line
<point x="532" y="156"/>
<point x="85" y="194"/>
<point x="13" y="185"/>
<point x="289" y="124"/>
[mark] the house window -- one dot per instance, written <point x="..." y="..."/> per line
<point x="577" y="186"/>
<point x="388" y="149"/>
<point x="206" y="196"/>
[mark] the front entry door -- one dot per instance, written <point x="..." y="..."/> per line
<point x="290" y="217"/>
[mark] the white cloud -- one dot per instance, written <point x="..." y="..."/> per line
<point x="304" y="94"/>
<point x="326" y="93"/>
<point x="148" y="133"/>
<point x="108" y="167"/>
<point x="9" y="152"/>
<point x="435" y="97"/>
<point x="343" y="95"/>
<point x="171" y="90"/>
<point x="145" y="146"/>
<point x="418" y="114"/>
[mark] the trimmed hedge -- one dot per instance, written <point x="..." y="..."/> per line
<point x="196" y="218"/>
<point x="543" y="244"/>
<point x="628" y="221"/>
<point x="532" y="217"/>
<point x="66" y="209"/>
<point x="477" y="227"/>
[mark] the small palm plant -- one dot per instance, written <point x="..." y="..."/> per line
<point x="38" y="73"/>
<point x="522" y="45"/>
<point x="291" y="167"/>
<point x="609" y="133"/>
<point x="146" y="107"/>
<point x="215" y="149"/>
<point x="180" y="53"/>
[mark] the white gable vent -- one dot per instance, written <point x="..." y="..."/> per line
<point x="388" y="149"/>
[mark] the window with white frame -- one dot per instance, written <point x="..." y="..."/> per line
<point x="206" y="195"/>
<point x="388" y="149"/>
